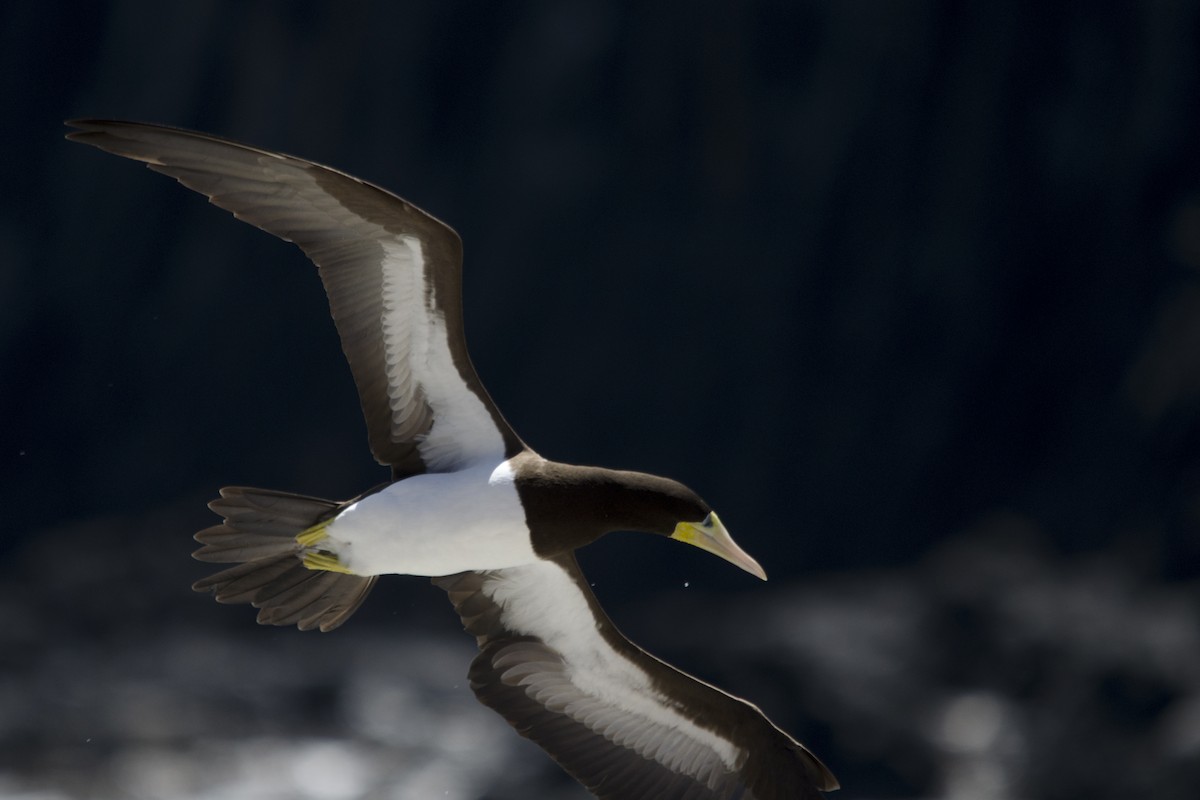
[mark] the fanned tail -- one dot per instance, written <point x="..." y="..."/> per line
<point x="259" y="535"/>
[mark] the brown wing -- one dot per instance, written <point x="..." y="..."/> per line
<point x="620" y="721"/>
<point x="392" y="274"/>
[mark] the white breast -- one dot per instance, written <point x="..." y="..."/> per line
<point x="435" y="524"/>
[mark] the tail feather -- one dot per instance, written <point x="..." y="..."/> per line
<point x="295" y="575"/>
<point x="221" y="547"/>
<point x="290" y="605"/>
<point x="241" y="584"/>
<point x="305" y="608"/>
<point x="259" y="536"/>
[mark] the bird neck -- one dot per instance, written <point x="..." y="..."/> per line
<point x="567" y="506"/>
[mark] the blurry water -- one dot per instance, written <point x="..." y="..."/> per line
<point x="992" y="670"/>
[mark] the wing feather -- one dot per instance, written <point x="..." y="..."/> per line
<point x="392" y="274"/>
<point x="620" y="721"/>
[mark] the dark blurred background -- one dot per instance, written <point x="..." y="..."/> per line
<point x="909" y="291"/>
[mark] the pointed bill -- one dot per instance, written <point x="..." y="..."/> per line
<point x="711" y="535"/>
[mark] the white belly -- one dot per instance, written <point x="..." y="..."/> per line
<point x="435" y="524"/>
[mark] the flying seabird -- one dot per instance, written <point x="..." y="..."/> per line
<point x="468" y="504"/>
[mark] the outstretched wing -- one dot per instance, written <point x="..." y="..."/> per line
<point x="393" y="275"/>
<point x="620" y="721"/>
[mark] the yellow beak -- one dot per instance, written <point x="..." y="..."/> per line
<point x="711" y="535"/>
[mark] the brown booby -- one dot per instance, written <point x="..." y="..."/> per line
<point x="469" y="504"/>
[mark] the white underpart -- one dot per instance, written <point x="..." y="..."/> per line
<point x="417" y="352"/>
<point x="620" y="702"/>
<point x="435" y="524"/>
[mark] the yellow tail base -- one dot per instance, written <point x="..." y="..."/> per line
<point x="319" y="559"/>
<point x="325" y="561"/>
<point x="316" y="533"/>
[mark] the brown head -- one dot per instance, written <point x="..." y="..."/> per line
<point x="567" y="507"/>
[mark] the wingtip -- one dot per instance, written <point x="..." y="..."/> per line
<point x="78" y="128"/>
<point x="89" y="127"/>
<point x="86" y="124"/>
<point x="88" y="131"/>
